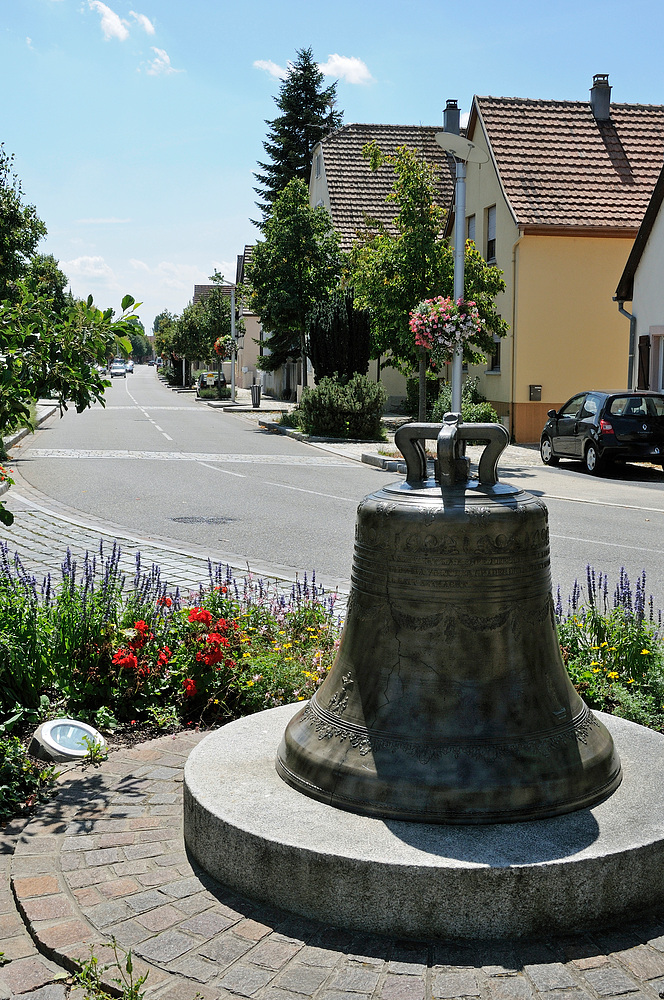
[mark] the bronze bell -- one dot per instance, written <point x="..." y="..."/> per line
<point x="448" y="701"/>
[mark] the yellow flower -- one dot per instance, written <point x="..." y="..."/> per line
<point x="645" y="652"/>
<point x="631" y="680"/>
<point x="612" y="649"/>
<point x="612" y="675"/>
<point x="250" y="684"/>
<point x="289" y="657"/>
<point x="594" y="647"/>
<point x="216" y="701"/>
<point x="595" y="663"/>
<point x="287" y="645"/>
<point x="605" y="644"/>
<point x="596" y="670"/>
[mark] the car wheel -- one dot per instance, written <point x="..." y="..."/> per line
<point x="593" y="463"/>
<point x="546" y="452"/>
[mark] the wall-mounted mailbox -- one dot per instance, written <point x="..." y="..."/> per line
<point x="535" y="393"/>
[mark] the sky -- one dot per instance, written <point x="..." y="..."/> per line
<point x="137" y="124"/>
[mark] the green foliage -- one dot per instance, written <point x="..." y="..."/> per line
<point x="295" y="265"/>
<point x="22" y="781"/>
<point x="53" y="355"/>
<point x="44" y="279"/>
<point x="391" y="274"/>
<point x="339" y="337"/>
<point x="20" y="228"/>
<point x="413" y="395"/>
<point x="613" y="650"/>
<point x="107" y="653"/>
<point x="92" y="975"/>
<point x="223" y="392"/>
<point x="307" y="116"/>
<point x="343" y="408"/>
<point x="475" y="408"/>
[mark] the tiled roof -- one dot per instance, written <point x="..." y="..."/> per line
<point x="561" y="167"/>
<point x="355" y="192"/>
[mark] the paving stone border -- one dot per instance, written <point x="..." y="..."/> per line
<point x="106" y="858"/>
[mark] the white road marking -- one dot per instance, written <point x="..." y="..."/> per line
<point x="316" y="493"/>
<point x="604" y="503"/>
<point x="227" y="472"/>
<point x="180" y="456"/>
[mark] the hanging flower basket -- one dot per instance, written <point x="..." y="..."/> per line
<point x="440" y="325"/>
<point x="222" y="346"/>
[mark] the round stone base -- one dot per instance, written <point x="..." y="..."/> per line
<point x="256" y="834"/>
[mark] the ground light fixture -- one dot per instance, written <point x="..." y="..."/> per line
<point x="65" y="740"/>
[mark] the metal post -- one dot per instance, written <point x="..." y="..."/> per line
<point x="233" y="345"/>
<point x="459" y="264"/>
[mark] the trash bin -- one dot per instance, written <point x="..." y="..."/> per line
<point x="255" y="395"/>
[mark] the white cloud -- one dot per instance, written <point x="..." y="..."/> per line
<point x="112" y="24"/>
<point x="111" y="220"/>
<point x="87" y="267"/>
<point x="181" y="277"/>
<point x="161" y="64"/>
<point x="144" y="22"/>
<point x="348" y="68"/>
<point x="28" y="41"/>
<point x="278" y="72"/>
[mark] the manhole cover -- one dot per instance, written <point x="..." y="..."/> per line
<point x="202" y="520"/>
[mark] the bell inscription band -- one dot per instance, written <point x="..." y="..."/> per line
<point x="448" y="701"/>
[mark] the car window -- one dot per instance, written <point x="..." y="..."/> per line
<point x="572" y="408"/>
<point x="590" y="407"/>
<point x="655" y="406"/>
<point x="629" y="406"/>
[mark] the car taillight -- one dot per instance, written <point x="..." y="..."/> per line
<point x="605" y="427"/>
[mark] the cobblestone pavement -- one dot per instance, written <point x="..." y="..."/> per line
<point x="106" y="857"/>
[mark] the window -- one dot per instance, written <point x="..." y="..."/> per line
<point x="470" y="228"/>
<point x="572" y="408"/>
<point x="494" y="359"/>
<point x="318" y="164"/>
<point x="491" y="233"/>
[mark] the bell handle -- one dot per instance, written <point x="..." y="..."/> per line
<point x="496" y="438"/>
<point x="409" y="440"/>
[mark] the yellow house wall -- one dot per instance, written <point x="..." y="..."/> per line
<point x="569" y="333"/>
<point x="483" y="190"/>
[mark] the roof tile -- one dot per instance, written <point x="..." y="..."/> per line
<point x="561" y="167"/>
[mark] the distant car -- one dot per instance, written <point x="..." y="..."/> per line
<point x="210" y="380"/>
<point x="603" y="427"/>
<point x="130" y="366"/>
<point x="151" y="362"/>
<point x="118" y="369"/>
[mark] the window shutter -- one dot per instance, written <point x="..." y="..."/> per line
<point x="644" y="363"/>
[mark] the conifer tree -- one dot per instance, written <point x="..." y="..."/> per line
<point x="307" y="115"/>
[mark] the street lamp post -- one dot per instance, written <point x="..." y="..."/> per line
<point x="464" y="152"/>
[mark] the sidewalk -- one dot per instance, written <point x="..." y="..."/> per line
<point x="106" y="858"/>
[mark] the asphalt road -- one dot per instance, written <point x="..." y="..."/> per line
<point x="164" y="466"/>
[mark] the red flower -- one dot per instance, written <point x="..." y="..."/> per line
<point x="140" y="626"/>
<point x="189" y="685"/>
<point x="125" y="658"/>
<point x="200" y="615"/>
<point x="164" y="600"/>
<point x="164" y="656"/>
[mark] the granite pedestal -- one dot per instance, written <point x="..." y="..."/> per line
<point x="253" y="832"/>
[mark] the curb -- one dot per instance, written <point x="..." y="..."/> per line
<point x="13" y="439"/>
<point x="276" y="428"/>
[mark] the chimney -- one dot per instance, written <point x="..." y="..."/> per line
<point x="600" y="97"/>
<point x="452" y="118"/>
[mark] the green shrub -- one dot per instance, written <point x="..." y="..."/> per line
<point x="475" y="408"/>
<point x="412" y="404"/>
<point x="213" y="393"/>
<point x="22" y="781"/>
<point x="343" y="409"/>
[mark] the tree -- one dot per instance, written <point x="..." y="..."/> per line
<point x="21" y="229"/>
<point x="45" y="353"/>
<point x="140" y="345"/>
<point x="339" y="337"/>
<point x="391" y="274"/>
<point x="307" y="115"/>
<point x="44" y="277"/>
<point x="297" y="264"/>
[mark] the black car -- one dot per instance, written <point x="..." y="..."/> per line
<point x="601" y="427"/>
